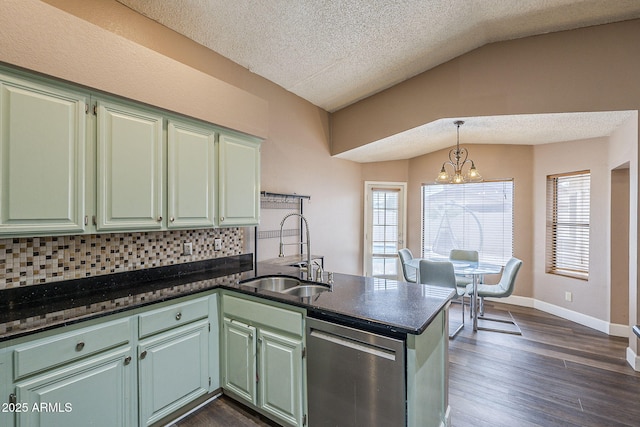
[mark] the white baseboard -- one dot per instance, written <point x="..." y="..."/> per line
<point x="633" y="359"/>
<point x="612" y="329"/>
<point x="618" y="330"/>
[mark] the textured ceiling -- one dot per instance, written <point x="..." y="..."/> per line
<point x="525" y="129"/>
<point x="336" y="52"/>
<point x="333" y="53"/>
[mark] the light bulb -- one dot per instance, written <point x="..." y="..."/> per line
<point x="473" y="174"/>
<point x="457" y="178"/>
<point x="443" y="176"/>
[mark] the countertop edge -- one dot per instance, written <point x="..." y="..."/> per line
<point x="216" y="282"/>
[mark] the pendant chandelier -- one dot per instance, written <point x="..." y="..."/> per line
<point x="457" y="160"/>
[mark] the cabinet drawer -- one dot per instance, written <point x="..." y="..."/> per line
<point x="173" y="316"/>
<point x="66" y="347"/>
<point x="274" y="317"/>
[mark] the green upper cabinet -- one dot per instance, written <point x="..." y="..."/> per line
<point x="129" y="168"/>
<point x="191" y="175"/>
<point x="239" y="187"/>
<point x="125" y="166"/>
<point x="42" y="158"/>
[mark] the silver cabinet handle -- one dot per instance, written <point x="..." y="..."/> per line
<point x="178" y="316"/>
<point x="221" y="219"/>
<point x="172" y="219"/>
<point x="127" y="360"/>
<point x="80" y="346"/>
<point x="159" y="219"/>
<point x="143" y="354"/>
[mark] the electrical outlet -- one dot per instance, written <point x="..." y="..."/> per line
<point x="568" y="296"/>
<point x="187" y="248"/>
<point x="217" y="244"/>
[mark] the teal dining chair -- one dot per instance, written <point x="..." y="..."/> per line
<point x="409" y="273"/>
<point x="440" y="273"/>
<point x="502" y="289"/>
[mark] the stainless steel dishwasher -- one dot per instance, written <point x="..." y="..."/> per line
<point x="354" y="378"/>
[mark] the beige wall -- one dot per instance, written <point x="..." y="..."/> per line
<point x="619" y="244"/>
<point x="589" y="297"/>
<point x="623" y="146"/>
<point x="392" y="171"/>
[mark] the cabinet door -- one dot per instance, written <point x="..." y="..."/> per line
<point x="239" y="365"/>
<point x="173" y="370"/>
<point x="239" y="191"/>
<point x="42" y="158"/>
<point x="96" y="392"/>
<point x="280" y="374"/>
<point x="191" y="175"/>
<point x="129" y="175"/>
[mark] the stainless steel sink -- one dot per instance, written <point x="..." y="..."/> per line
<point x="305" y="290"/>
<point x="274" y="283"/>
<point x="287" y="285"/>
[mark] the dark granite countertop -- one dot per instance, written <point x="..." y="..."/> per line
<point x="385" y="306"/>
<point x="365" y="302"/>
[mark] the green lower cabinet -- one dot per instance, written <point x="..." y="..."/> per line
<point x="132" y="370"/>
<point x="280" y="377"/>
<point x="95" y="392"/>
<point x="262" y="358"/>
<point x="173" y="370"/>
<point x="239" y="369"/>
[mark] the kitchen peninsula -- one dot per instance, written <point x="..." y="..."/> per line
<point x="186" y="308"/>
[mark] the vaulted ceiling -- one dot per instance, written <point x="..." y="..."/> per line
<point x="336" y="52"/>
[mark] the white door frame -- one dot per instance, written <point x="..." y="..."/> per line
<point x="368" y="212"/>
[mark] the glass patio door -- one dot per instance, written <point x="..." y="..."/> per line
<point x="384" y="228"/>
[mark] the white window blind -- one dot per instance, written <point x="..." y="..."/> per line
<point x="473" y="216"/>
<point x="568" y="213"/>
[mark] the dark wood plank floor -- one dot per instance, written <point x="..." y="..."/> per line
<point x="557" y="373"/>
<point x="224" y="412"/>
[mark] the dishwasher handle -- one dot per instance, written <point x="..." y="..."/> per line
<point x="354" y="344"/>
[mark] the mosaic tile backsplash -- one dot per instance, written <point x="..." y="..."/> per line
<point x="35" y="260"/>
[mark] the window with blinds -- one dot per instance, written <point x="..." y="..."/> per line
<point x="474" y="216"/>
<point x="385" y="224"/>
<point x="568" y="213"/>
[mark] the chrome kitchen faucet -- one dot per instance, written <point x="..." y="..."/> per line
<point x="309" y="267"/>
